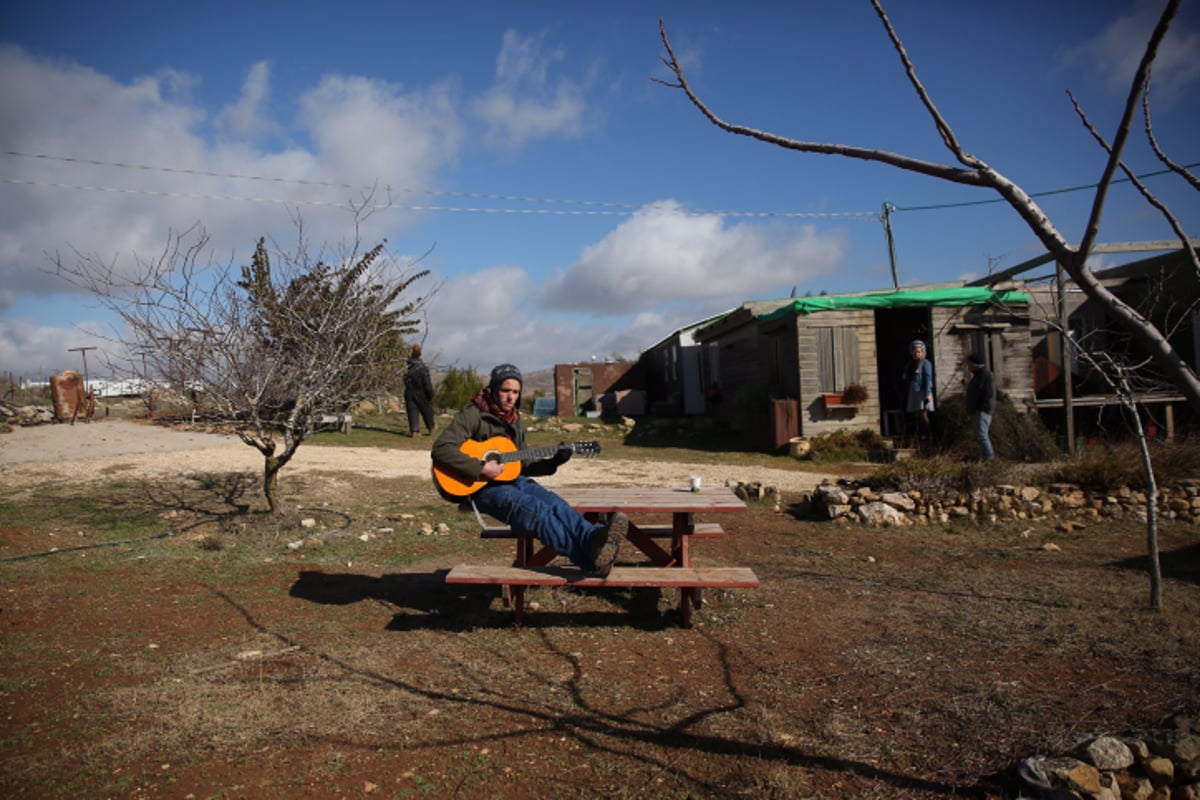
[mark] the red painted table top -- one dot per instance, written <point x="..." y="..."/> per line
<point x="664" y="500"/>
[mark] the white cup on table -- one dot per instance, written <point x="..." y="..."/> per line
<point x="695" y="483"/>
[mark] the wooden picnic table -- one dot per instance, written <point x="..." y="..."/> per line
<point x="670" y="566"/>
<point x="682" y="504"/>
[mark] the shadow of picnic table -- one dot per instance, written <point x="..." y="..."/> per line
<point x="423" y="600"/>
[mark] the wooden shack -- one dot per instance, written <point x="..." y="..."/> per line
<point x="785" y="372"/>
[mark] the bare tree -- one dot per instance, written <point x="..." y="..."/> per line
<point x="974" y="171"/>
<point x="1128" y="375"/>
<point x="1123" y="378"/>
<point x="271" y="347"/>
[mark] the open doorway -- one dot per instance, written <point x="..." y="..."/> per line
<point x="895" y="329"/>
<point x="585" y="401"/>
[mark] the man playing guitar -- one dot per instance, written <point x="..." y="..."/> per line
<point x="519" y="502"/>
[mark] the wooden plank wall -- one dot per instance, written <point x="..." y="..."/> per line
<point x="815" y="419"/>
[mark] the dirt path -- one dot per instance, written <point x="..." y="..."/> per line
<point x="102" y="450"/>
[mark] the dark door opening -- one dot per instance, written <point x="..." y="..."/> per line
<point x="895" y="329"/>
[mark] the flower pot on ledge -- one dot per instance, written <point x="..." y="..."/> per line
<point x="837" y="401"/>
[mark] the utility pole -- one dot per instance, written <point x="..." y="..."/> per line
<point x="1066" y="353"/>
<point x="888" y="208"/>
<point x="83" y="352"/>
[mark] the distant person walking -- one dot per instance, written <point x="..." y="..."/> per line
<point x="981" y="403"/>
<point x="918" y="389"/>
<point x="418" y="394"/>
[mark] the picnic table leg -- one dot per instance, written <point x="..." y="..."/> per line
<point x="682" y="526"/>
<point x="685" y="608"/>
<point x="518" y="604"/>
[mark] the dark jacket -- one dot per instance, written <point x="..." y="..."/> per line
<point x="981" y="392"/>
<point x="472" y="423"/>
<point x="417" y="382"/>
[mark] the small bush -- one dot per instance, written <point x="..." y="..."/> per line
<point x="933" y="477"/>
<point x="846" y="445"/>
<point x="1015" y="436"/>
<point x="854" y="394"/>
<point x="210" y="543"/>
<point x="1110" y="466"/>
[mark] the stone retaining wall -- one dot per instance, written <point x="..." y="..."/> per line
<point x="856" y="501"/>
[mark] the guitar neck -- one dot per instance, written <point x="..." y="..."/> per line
<point x="531" y="454"/>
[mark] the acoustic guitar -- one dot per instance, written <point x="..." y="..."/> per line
<point x="502" y="449"/>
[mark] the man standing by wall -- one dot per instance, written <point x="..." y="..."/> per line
<point x="981" y="403"/>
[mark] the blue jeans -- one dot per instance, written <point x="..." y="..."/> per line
<point x="983" y="423"/>
<point x="527" y="507"/>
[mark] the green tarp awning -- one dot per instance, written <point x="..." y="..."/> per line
<point x="956" y="296"/>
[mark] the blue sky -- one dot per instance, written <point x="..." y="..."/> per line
<point x="575" y="208"/>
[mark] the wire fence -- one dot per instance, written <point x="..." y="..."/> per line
<point x="19" y="391"/>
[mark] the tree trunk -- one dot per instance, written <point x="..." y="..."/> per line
<point x="1151" y="516"/>
<point x="1155" y="566"/>
<point x="272" y="465"/>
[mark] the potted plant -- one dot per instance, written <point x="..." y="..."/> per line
<point x="855" y="394"/>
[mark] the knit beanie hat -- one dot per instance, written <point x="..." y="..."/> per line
<point x="975" y="360"/>
<point x="502" y="373"/>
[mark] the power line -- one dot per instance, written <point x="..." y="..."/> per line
<point x="562" y="212"/>
<point x="1047" y="193"/>
<point x="626" y="208"/>
<point x="307" y="182"/>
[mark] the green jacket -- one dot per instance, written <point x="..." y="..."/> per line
<point x="472" y="423"/>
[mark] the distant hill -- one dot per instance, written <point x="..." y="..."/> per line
<point x="542" y="380"/>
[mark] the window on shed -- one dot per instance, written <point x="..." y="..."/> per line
<point x="714" y="363"/>
<point x="837" y="357"/>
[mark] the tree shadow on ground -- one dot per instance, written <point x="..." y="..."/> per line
<point x="1181" y="565"/>
<point x="590" y="724"/>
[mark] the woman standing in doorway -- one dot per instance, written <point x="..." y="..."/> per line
<point x="918" y="389"/>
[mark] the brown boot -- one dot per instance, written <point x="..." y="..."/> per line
<point x="607" y="543"/>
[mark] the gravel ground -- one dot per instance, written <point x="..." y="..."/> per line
<point x="101" y="450"/>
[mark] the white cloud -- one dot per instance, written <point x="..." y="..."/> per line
<point x="245" y="118"/>
<point x="34" y="351"/>
<point x="355" y="131"/>
<point x="524" y="104"/>
<point x="1115" y="53"/>
<point x="663" y="255"/>
<point x="487" y="318"/>
<point x="368" y="129"/>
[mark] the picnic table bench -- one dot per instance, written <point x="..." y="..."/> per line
<point x="670" y="565"/>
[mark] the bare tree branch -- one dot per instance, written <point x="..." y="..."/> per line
<point x="1140" y="78"/>
<point x="943" y="171"/>
<point x="1149" y="196"/>
<point x="948" y="137"/>
<point x="1178" y="169"/>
